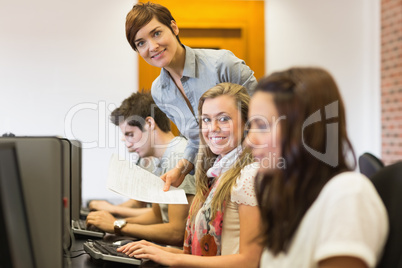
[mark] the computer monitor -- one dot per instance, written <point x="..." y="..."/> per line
<point x="41" y="170"/>
<point x="76" y="179"/>
<point x="15" y="240"/>
<point x="67" y="147"/>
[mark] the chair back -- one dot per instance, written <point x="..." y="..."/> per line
<point x="369" y="164"/>
<point x="388" y="182"/>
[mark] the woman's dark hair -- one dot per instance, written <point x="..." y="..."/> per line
<point x="314" y="146"/>
<point x="141" y="14"/>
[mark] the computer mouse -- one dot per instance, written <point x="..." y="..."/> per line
<point x="122" y="242"/>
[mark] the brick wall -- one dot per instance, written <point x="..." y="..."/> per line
<point x="391" y="80"/>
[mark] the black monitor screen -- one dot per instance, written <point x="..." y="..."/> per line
<point x="15" y="240"/>
<point x="76" y="159"/>
<point x="40" y="160"/>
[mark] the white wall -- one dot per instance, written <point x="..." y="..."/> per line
<point x="342" y="36"/>
<point x="65" y="65"/>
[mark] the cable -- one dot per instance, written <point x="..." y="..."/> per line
<point x="72" y="257"/>
<point x="78" y="250"/>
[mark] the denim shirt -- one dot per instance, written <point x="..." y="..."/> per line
<point x="203" y="69"/>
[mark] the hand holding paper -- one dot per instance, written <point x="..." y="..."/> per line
<point x="134" y="182"/>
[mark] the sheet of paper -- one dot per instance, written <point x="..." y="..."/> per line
<point x="136" y="183"/>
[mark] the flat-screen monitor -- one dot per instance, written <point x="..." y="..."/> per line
<point x="41" y="168"/>
<point x="76" y="179"/>
<point x="67" y="193"/>
<point x="16" y="248"/>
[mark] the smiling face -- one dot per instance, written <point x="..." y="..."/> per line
<point x="136" y="140"/>
<point x="157" y="44"/>
<point x="264" y="131"/>
<point x="221" y="124"/>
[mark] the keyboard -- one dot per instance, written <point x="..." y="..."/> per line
<point x="81" y="224"/>
<point x="108" y="248"/>
<point x="98" y="249"/>
<point x="80" y="227"/>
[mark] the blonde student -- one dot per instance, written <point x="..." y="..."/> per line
<point x="224" y="219"/>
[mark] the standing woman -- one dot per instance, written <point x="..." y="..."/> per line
<point x="316" y="212"/>
<point x="185" y="74"/>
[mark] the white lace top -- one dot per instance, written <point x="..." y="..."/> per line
<point x="242" y="194"/>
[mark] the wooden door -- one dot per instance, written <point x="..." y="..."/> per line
<point x="219" y="24"/>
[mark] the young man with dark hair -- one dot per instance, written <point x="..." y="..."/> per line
<point x="146" y="131"/>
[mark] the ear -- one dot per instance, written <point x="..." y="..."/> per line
<point x="174" y="26"/>
<point x="150" y="122"/>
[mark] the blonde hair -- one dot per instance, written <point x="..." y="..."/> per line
<point x="206" y="157"/>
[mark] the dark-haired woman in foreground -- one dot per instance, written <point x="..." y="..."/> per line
<point x="315" y="211"/>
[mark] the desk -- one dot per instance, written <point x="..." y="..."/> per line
<point x="85" y="261"/>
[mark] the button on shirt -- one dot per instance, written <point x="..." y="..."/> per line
<point x="203" y="69"/>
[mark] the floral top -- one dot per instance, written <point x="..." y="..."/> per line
<point x="203" y="236"/>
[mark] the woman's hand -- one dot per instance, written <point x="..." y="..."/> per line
<point x="173" y="177"/>
<point x="131" y="247"/>
<point x="176" y="175"/>
<point x="146" y="250"/>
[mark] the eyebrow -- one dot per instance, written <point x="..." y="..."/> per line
<point x="259" y="121"/>
<point x="255" y="120"/>
<point x="151" y="32"/>
<point x="221" y="113"/>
